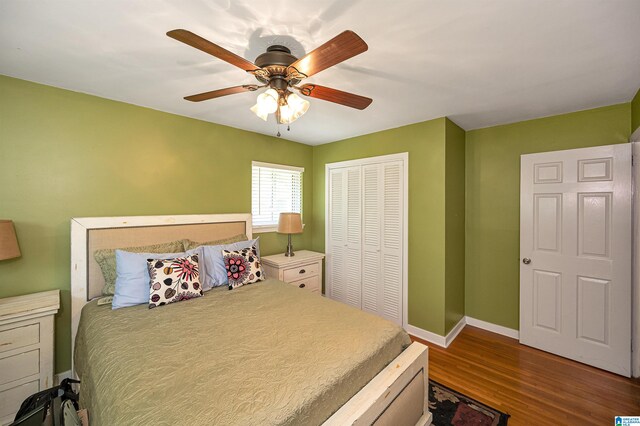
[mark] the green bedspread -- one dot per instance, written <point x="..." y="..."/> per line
<point x="264" y="354"/>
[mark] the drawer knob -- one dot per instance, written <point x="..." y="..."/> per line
<point x="302" y="285"/>
<point x="302" y="271"/>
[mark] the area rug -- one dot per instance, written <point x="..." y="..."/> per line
<point x="450" y="407"/>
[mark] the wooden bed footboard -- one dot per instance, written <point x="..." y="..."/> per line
<point x="398" y="395"/>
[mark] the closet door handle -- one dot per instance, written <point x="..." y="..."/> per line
<point x="302" y="285"/>
<point x="301" y="271"/>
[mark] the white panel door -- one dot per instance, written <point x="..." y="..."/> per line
<point x="575" y="252"/>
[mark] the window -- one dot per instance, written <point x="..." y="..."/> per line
<point x="275" y="189"/>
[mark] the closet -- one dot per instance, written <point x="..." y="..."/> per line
<point x="366" y="234"/>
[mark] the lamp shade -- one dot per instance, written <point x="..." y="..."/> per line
<point x="8" y="240"/>
<point x="290" y="223"/>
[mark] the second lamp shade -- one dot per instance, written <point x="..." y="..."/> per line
<point x="290" y="223"/>
<point x="8" y="241"/>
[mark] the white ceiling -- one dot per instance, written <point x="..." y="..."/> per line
<point x="479" y="62"/>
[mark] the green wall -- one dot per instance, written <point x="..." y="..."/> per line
<point x="65" y="154"/>
<point x="454" y="224"/>
<point x="492" y="198"/>
<point x="635" y="112"/>
<point x="425" y="144"/>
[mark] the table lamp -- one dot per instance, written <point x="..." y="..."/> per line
<point x="290" y="223"/>
<point x="8" y="241"/>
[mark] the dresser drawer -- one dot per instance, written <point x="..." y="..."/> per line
<point x="18" y="366"/>
<point x="19" y="337"/>
<point x="310" y="284"/>
<point x="299" y="272"/>
<point x="11" y="398"/>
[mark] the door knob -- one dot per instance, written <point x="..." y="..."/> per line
<point x="526" y="261"/>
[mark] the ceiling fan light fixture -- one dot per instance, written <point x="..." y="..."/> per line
<point x="268" y="101"/>
<point x="295" y="108"/>
<point x="259" y="112"/>
<point x="298" y="104"/>
<point x="286" y="114"/>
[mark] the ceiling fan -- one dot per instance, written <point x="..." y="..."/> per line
<point x="281" y="72"/>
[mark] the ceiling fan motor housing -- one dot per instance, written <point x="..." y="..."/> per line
<point x="275" y="62"/>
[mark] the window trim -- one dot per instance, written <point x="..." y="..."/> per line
<point x="263" y="229"/>
<point x="259" y="229"/>
<point x="277" y="166"/>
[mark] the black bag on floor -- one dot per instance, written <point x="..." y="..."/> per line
<point x="33" y="410"/>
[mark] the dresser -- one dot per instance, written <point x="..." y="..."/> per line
<point x="304" y="270"/>
<point x="26" y="348"/>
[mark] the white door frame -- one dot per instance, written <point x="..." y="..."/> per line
<point x="635" y="288"/>
<point x="404" y="158"/>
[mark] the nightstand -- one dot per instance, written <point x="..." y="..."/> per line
<point x="304" y="270"/>
<point x="26" y="348"/>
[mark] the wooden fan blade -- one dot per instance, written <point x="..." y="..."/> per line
<point x="340" y="48"/>
<point x="222" y="92"/>
<point x="337" y="96"/>
<point x="193" y="40"/>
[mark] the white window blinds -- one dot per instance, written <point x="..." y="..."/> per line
<point x="275" y="189"/>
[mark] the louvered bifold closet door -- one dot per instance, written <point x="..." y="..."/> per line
<point x="337" y="259"/>
<point x="353" y="270"/>
<point x="391" y="241"/>
<point x="365" y="232"/>
<point x="372" y="295"/>
<point x="345" y="235"/>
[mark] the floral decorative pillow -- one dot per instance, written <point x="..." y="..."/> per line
<point x="243" y="267"/>
<point x="173" y="280"/>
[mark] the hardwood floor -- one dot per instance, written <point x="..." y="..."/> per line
<point x="535" y="387"/>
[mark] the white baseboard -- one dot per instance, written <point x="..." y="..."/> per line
<point x="445" y="341"/>
<point x="450" y="337"/>
<point x="434" y="338"/>
<point x="430" y="337"/>
<point x="57" y="378"/>
<point x="495" y="328"/>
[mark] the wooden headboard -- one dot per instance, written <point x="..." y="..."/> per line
<point x="89" y="234"/>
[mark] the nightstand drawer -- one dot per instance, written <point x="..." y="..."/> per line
<point x="310" y="284"/>
<point x="26" y="348"/>
<point x="18" y="366"/>
<point x="19" y="337"/>
<point x="11" y="398"/>
<point x="297" y="273"/>
<point x="303" y="268"/>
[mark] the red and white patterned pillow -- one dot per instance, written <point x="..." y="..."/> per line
<point x="173" y="280"/>
<point x="243" y="267"/>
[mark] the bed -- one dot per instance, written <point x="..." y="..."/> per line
<point x="266" y="353"/>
